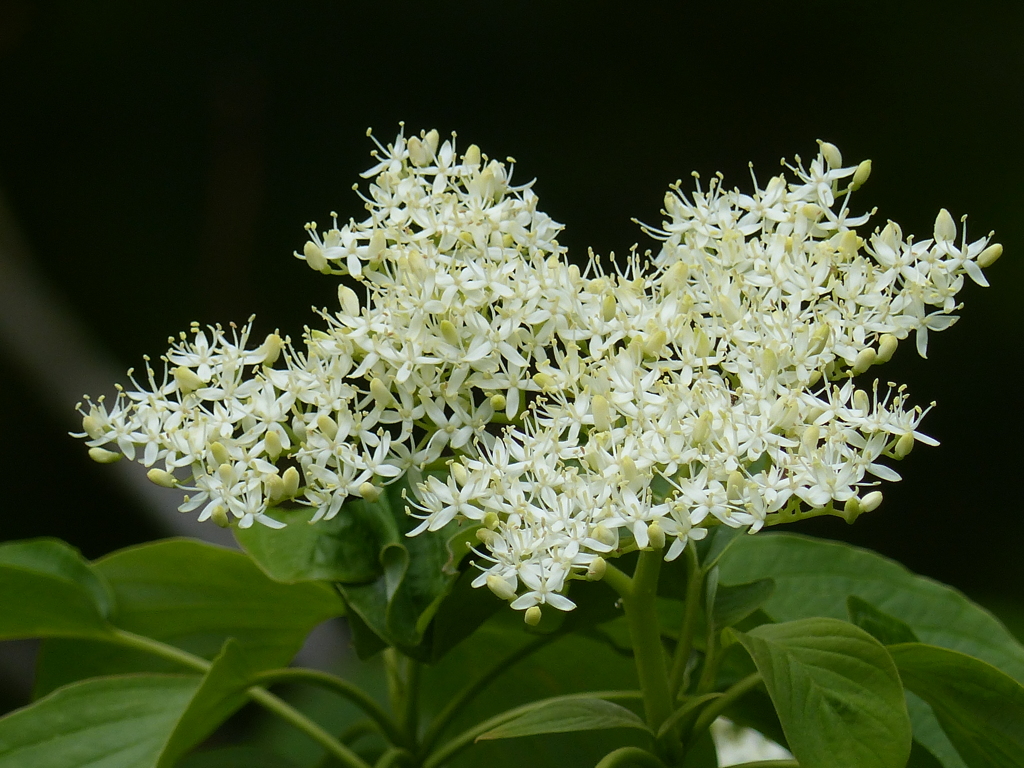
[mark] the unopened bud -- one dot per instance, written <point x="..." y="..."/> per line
<point x="275" y="487"/>
<point x="544" y="380"/>
<point x="989" y="256"/>
<point x="605" y="535"/>
<point x="450" y="332"/>
<point x="103" y="456"/>
<point x="852" y="509"/>
<point x="887" y="344"/>
<point x="348" y="300"/>
<point x="378" y="243"/>
<point x="819" y="339"/>
<point x="472" y="156"/>
<point x="187" y="379"/>
<point x="314" y="256"/>
<point x="220" y="453"/>
<point x="849" y="243"/>
<point x="730" y="312"/>
<point x="272" y="444"/>
<point x="328" y="427"/>
<point x="654" y="343"/>
<point x="430" y="141"/>
<point x="702" y="429"/>
<point x="271" y="349"/>
<point x="861" y="175"/>
<point x="831" y="154"/>
<point x="871" y="501"/>
<point x="226" y="474"/>
<point x="491" y="520"/>
<point x="865" y="359"/>
<point x="861" y="401"/>
<point x="417" y="152"/>
<point x="219" y="515"/>
<point x="945" y="227"/>
<point x="628" y="468"/>
<point x="735" y="485"/>
<point x="500" y="587"/>
<point x="769" y="362"/>
<point x="809" y="439"/>
<point x="459" y="473"/>
<point x="602" y="413"/>
<point x="486" y="537"/>
<point x="290" y="478"/>
<point x="597" y="569"/>
<point x="380" y="393"/>
<point x="498" y="402"/>
<point x="532" y="615"/>
<point x="656" y="535"/>
<point x="162" y="478"/>
<point x="92" y="426"/>
<point x="904" y="445"/>
<point x="369" y="492"/>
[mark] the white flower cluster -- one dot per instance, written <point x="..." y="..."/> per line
<point x="572" y="414"/>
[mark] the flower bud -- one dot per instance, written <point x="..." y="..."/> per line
<point x="861" y="401"/>
<point x="861" y="174"/>
<point x="348" y="300"/>
<point x="327" y="426"/>
<point x="272" y="444"/>
<point x="381" y="394"/>
<point x="500" y="587"/>
<point x="809" y="439"/>
<point x="945" y="227"/>
<point x="472" y="156"/>
<point x="831" y="154"/>
<point x="544" y="380"/>
<point x="162" y="478"/>
<point x="377" y="245"/>
<point x="430" y="141"/>
<point x="887" y="344"/>
<point x="608" y="307"/>
<point x="290" y="478"/>
<point x="498" y="402"/>
<point x="871" y="501"/>
<point x="103" y="456"/>
<point x="92" y="426"/>
<point x="315" y="256"/>
<point x="369" y="492"/>
<point x="654" y="343"/>
<point x="735" y="486"/>
<point x="904" y="445"/>
<point x="849" y="243"/>
<point x="219" y="515"/>
<point x="186" y="379"/>
<point x="417" y="152"/>
<point x="989" y="256"/>
<point x="220" y="453"/>
<point x="597" y="569"/>
<point x="275" y="488"/>
<point x="449" y="332"/>
<point x="864" y="360"/>
<point x="459" y="472"/>
<point x="656" y="535"/>
<point x="271" y="348"/>
<point x="702" y="429"/>
<point x="852" y="509"/>
<point x="819" y="339"/>
<point x="491" y="520"/>
<point x="532" y="615"/>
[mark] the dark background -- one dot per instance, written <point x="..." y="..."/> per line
<point x="159" y="160"/>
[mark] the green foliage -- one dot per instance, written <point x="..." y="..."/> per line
<point x="980" y="708"/>
<point x="564" y="715"/>
<point x="48" y="589"/>
<point x="837" y="693"/>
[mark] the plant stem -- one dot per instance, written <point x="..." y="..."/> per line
<point x="630" y="756"/>
<point x="684" y="646"/>
<point x="769" y="764"/>
<point x="261" y="696"/>
<point x="403" y="691"/>
<point x="468" y="693"/>
<point x="340" y="686"/>
<point x="454" y="746"/>
<point x="717" y="707"/>
<point x="645" y="634"/>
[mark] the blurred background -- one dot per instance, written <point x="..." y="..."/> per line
<point x="158" y="161"/>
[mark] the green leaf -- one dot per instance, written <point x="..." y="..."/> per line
<point x="235" y="757"/>
<point x="565" y="715"/>
<point x="980" y="708"/>
<point x="194" y="596"/>
<point x="221" y="694"/>
<point x="815" y="577"/>
<point x="345" y="548"/>
<point x="886" y="629"/>
<point x="735" y="603"/>
<point x="837" y="693"/>
<point x="47" y="589"/>
<point x="129" y="721"/>
<point x="113" y="722"/>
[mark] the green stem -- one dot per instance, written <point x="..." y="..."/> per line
<point x="627" y="756"/>
<point x="465" y="739"/>
<point x="261" y="696"/>
<point x="717" y="707"/>
<point x="340" y="686"/>
<point x="394" y="756"/>
<point x="403" y="692"/>
<point x="684" y="646"/>
<point x="456" y="704"/>
<point x="769" y="764"/>
<point x="645" y="634"/>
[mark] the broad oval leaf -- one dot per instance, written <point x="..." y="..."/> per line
<point x="116" y="722"/>
<point x="836" y="691"/>
<point x="564" y="715"/>
<point x="814" y="578"/>
<point x="194" y="596"/>
<point x="47" y="589"/>
<point x="980" y="708"/>
<point x="886" y="629"/>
